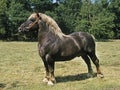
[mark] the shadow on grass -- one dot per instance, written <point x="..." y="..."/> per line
<point x="2" y="85"/>
<point x="78" y="77"/>
<point x="9" y="85"/>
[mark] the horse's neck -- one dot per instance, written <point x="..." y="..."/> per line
<point x="41" y="35"/>
<point x="42" y="32"/>
<point x="45" y="36"/>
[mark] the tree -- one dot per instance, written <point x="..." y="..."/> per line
<point x="102" y="20"/>
<point x="83" y="22"/>
<point x="96" y="19"/>
<point x="67" y="14"/>
<point x="3" y="8"/>
<point x="114" y="8"/>
<point x="16" y="15"/>
<point x="42" y="5"/>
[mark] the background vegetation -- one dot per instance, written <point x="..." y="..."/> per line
<point x="98" y="17"/>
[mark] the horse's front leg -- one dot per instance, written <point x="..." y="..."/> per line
<point x="51" y="64"/>
<point x="46" y="79"/>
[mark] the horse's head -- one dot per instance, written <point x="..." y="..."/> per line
<point x="31" y="24"/>
<point x="42" y="23"/>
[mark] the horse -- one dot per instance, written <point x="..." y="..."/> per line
<point x="54" y="45"/>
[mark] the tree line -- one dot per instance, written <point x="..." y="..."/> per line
<point x="98" y="17"/>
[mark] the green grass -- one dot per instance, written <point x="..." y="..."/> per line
<point x="21" y="68"/>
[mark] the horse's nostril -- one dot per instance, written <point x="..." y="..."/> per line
<point x="19" y="29"/>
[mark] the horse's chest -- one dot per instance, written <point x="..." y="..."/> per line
<point x="42" y="49"/>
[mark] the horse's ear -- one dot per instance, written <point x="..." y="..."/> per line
<point x="38" y="16"/>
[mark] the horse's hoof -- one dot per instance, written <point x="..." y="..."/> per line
<point x="45" y="80"/>
<point x="50" y="83"/>
<point x="100" y="75"/>
<point x="54" y="81"/>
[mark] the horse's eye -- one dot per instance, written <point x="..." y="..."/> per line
<point x="32" y="19"/>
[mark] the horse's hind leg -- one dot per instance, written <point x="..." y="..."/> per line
<point x="87" y="61"/>
<point x="96" y="62"/>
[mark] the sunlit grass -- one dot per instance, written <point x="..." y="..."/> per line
<point x="21" y="68"/>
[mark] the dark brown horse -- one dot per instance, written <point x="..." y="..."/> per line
<point x="54" y="46"/>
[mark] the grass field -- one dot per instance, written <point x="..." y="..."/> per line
<point x="21" y="68"/>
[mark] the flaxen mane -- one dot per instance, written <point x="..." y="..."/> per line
<point x="51" y="23"/>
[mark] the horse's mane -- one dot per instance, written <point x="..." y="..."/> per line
<point x="51" y="23"/>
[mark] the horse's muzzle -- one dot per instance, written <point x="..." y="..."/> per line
<point x="19" y="29"/>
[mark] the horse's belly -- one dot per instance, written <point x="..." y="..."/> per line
<point x="65" y="58"/>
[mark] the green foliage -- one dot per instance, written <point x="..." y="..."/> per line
<point x="16" y="15"/>
<point x="114" y="7"/>
<point x="102" y="22"/>
<point x="3" y="7"/>
<point x="83" y="21"/>
<point x="98" y="17"/>
<point x="68" y="13"/>
<point x="42" y="5"/>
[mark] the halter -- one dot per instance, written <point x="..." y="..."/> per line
<point x="36" y="21"/>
